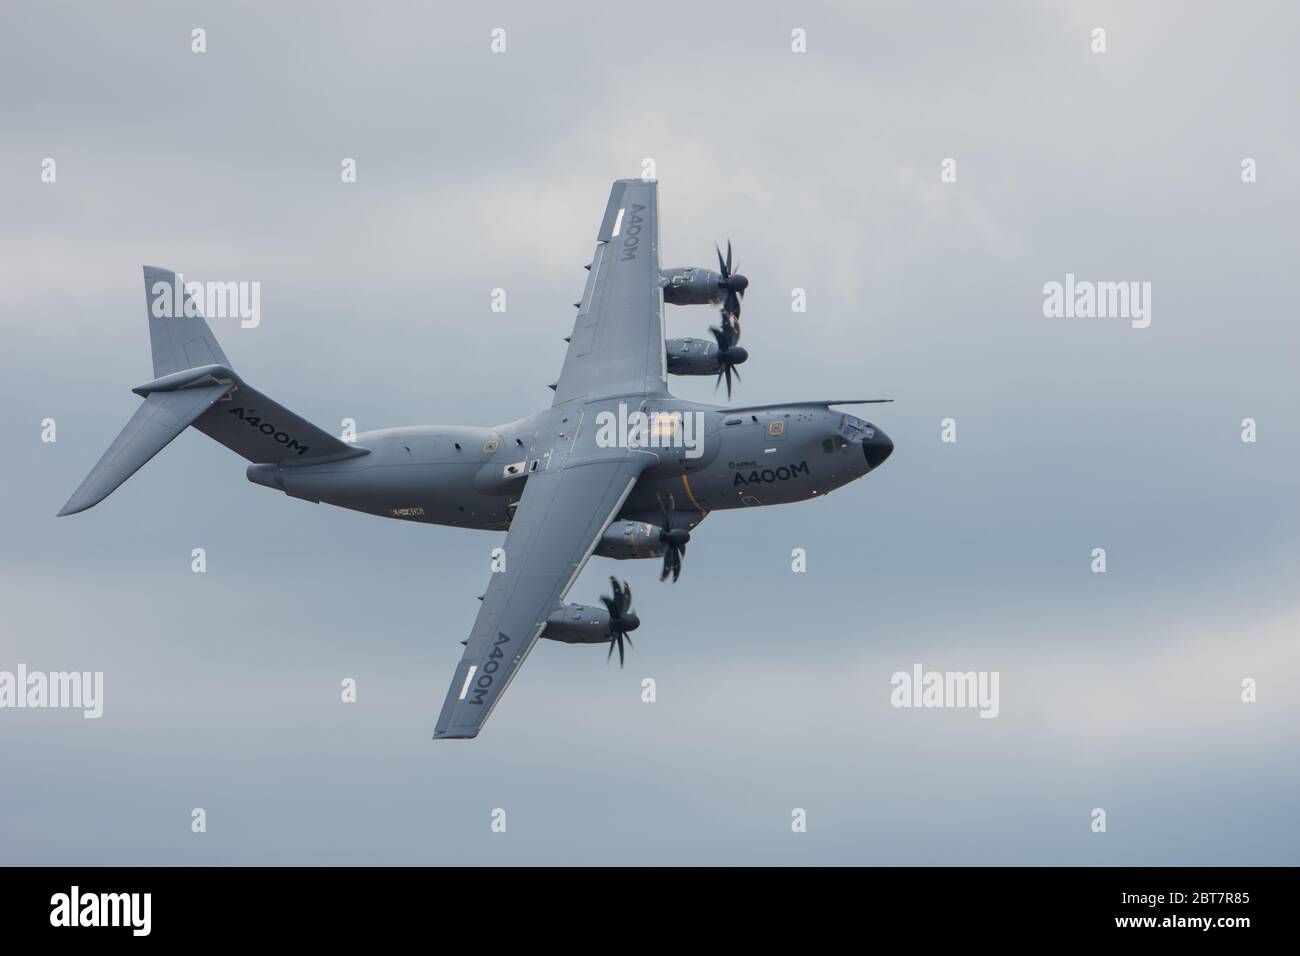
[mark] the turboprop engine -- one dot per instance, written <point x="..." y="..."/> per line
<point x="695" y="285"/>
<point x="639" y="539"/>
<point x="582" y="624"/>
<point x="702" y="357"/>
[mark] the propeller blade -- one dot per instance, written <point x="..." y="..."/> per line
<point x="621" y="619"/>
<point x="673" y="539"/>
<point x="727" y="333"/>
<point x="728" y="272"/>
<point x="733" y="304"/>
<point x="722" y="266"/>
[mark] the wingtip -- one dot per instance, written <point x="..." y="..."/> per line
<point x="452" y="735"/>
<point x="80" y="501"/>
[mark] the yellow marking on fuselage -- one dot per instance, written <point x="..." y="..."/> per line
<point x="689" y="494"/>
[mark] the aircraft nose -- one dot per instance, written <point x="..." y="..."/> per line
<point x="877" y="449"/>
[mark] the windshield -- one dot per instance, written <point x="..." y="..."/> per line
<point x="852" y="429"/>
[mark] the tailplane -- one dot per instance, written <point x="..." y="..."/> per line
<point x="195" y="385"/>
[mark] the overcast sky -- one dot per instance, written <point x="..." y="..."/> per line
<point x="478" y="170"/>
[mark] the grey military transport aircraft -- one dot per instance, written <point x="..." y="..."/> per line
<point x="617" y="466"/>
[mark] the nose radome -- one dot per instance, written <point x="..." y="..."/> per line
<point x="877" y="448"/>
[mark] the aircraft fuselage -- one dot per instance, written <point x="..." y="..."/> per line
<point x="471" y="477"/>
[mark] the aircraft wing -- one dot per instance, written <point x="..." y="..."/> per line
<point x="557" y="524"/>
<point x="617" y="345"/>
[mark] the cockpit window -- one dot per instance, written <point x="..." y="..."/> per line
<point x="852" y="429"/>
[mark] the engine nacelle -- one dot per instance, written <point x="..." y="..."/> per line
<point x="630" y="539"/>
<point x="699" y="356"/>
<point x="692" y="356"/>
<point x="578" y="624"/>
<point x="692" y="286"/>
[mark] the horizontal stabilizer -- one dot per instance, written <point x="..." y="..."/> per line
<point x="162" y="417"/>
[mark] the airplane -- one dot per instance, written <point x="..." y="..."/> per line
<point x="616" y="467"/>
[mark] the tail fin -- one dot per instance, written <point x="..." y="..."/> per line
<point x="194" y="385"/>
<point x="179" y="335"/>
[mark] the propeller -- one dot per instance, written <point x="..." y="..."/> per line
<point x="729" y="353"/>
<point x="622" y="619"/>
<point x="674" y="541"/>
<point x="733" y="284"/>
